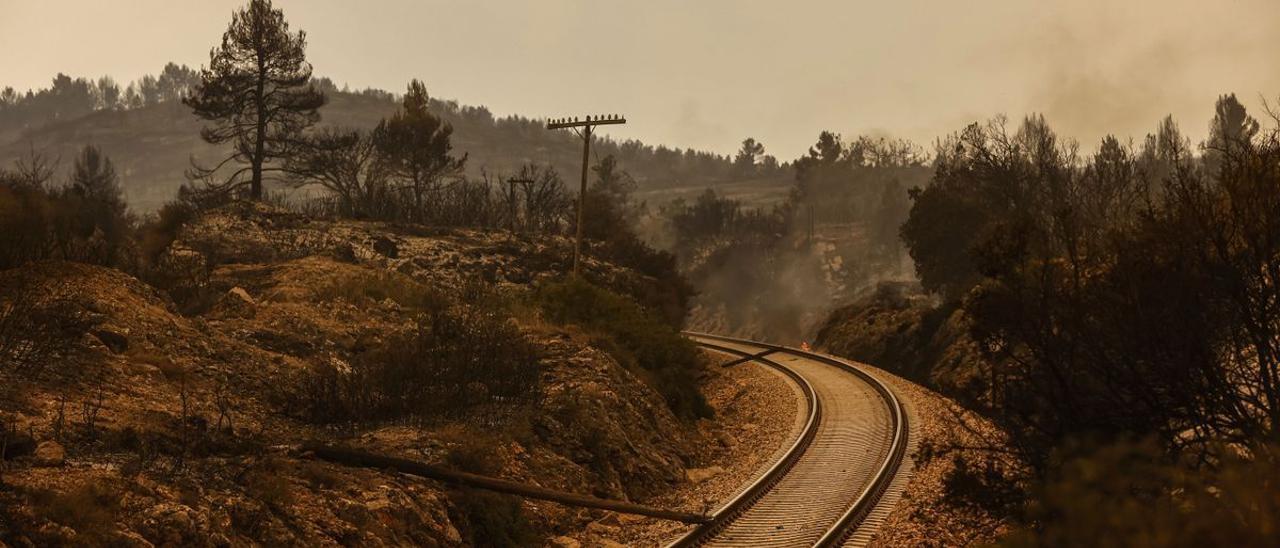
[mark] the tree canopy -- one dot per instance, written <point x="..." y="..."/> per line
<point x="257" y="92"/>
<point x="416" y="148"/>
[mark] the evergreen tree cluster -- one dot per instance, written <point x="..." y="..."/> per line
<point x="69" y="98"/>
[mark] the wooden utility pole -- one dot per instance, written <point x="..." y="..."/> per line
<point x="812" y="223"/>
<point x="585" y="133"/>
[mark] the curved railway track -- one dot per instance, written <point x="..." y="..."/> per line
<point x="836" y="471"/>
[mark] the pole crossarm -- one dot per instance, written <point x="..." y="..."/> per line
<point x="597" y="120"/>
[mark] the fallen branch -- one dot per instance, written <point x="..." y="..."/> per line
<point x="351" y="457"/>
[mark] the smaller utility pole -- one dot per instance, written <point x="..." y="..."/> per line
<point x="511" y="195"/>
<point x="812" y="223"/>
<point x="586" y="126"/>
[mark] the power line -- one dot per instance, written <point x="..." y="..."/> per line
<point x="586" y="125"/>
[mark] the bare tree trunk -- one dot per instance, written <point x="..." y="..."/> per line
<point x="259" y="146"/>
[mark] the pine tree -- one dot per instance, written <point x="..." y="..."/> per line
<point x="101" y="208"/>
<point x="415" y="144"/>
<point x="94" y="176"/>
<point x="108" y="93"/>
<point x="176" y="81"/>
<point x="257" y="92"/>
<point x="745" y="161"/>
<point x="1230" y="133"/>
<point x="1231" y="125"/>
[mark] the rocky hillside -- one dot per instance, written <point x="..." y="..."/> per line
<point x="924" y="350"/>
<point x="175" y="418"/>
<point x="900" y="329"/>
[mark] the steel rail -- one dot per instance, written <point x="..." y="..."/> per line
<point x="858" y="510"/>
<point x="748" y="496"/>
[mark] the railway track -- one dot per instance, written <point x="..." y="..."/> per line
<point x="836" y="472"/>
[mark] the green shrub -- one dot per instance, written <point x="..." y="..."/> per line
<point x="160" y="230"/>
<point x="455" y="359"/>
<point x="490" y="519"/>
<point x="37" y="329"/>
<point x="267" y="485"/>
<point x="84" y="221"/>
<point x="1133" y="494"/>
<point x="667" y="361"/>
<point x="478" y="452"/>
<point x="184" y="276"/>
<point x="90" y="509"/>
<point x="668" y="294"/>
<point x="378" y="286"/>
<point x="320" y="475"/>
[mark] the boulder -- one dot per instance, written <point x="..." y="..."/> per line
<point x="239" y="295"/>
<point x="236" y="303"/>
<point x="50" y="453"/>
<point x="726" y="439"/>
<point x="170" y="524"/>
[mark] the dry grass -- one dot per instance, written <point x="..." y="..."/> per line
<point x="268" y="484"/>
<point x="91" y="509"/>
<point x="171" y="371"/>
<point x="365" y="287"/>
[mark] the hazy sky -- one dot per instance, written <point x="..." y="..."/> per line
<point x="706" y="73"/>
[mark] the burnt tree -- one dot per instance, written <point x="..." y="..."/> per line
<point x="257" y="92"/>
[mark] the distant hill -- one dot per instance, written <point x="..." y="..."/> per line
<point x="152" y="146"/>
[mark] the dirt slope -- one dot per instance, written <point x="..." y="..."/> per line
<point x="158" y="427"/>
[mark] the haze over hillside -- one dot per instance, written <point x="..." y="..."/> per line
<point x="243" y="303"/>
<point x="707" y="74"/>
<point x="153" y="144"/>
